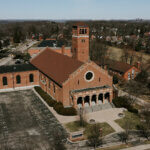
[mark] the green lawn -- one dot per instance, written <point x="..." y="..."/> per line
<point x="130" y="118"/>
<point x="75" y="126"/>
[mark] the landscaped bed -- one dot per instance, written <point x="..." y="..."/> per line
<point x="75" y="126"/>
<point x="58" y="106"/>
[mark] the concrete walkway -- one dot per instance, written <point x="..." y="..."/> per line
<point x="115" y="126"/>
<point x="108" y="116"/>
<point x="141" y="147"/>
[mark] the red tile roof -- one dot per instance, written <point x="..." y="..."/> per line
<point x="115" y="65"/>
<point x="56" y="66"/>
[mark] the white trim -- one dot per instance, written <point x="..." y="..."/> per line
<point x="80" y="36"/>
<point x="91" y="78"/>
<point x="17" y="88"/>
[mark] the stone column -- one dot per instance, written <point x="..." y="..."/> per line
<point x="90" y="100"/>
<point x="75" y="101"/>
<point x="110" y="96"/>
<point x="97" y="99"/>
<point x="103" y="98"/>
<point x="82" y="102"/>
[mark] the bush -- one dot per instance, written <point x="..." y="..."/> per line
<point x="58" y="106"/>
<point x="46" y="97"/>
<point x="115" y="79"/>
<point x="124" y="102"/>
<point x="142" y="77"/>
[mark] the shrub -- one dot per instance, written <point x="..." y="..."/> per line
<point x="115" y="79"/>
<point x="46" y="97"/>
<point x="142" y="77"/>
<point x="58" y="106"/>
<point x="124" y="102"/>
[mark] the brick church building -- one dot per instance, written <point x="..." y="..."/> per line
<point x="75" y="81"/>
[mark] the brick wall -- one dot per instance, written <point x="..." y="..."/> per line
<point x="24" y="79"/>
<point x="50" y="87"/>
<point x="125" y="76"/>
<point x="78" y="81"/>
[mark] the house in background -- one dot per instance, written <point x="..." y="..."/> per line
<point x="122" y="69"/>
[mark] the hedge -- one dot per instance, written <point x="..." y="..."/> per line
<point x="124" y="102"/>
<point x="58" y="106"/>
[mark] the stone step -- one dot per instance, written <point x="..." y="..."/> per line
<point x="98" y="107"/>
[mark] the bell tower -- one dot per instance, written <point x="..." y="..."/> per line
<point x="80" y="42"/>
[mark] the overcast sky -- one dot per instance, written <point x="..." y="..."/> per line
<point x="74" y="9"/>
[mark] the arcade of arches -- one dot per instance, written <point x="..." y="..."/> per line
<point x="92" y="99"/>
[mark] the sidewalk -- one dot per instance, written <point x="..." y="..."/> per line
<point x="115" y="126"/>
<point x="108" y="116"/>
<point x="141" y="147"/>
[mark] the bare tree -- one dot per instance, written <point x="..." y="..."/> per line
<point x="145" y="122"/>
<point x="124" y="136"/>
<point x="82" y="117"/>
<point x="94" y="135"/>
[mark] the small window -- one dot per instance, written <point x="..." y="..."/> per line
<point x="129" y="76"/>
<point x="78" y="82"/>
<point x="133" y="71"/>
<point x="5" y="81"/>
<point x="54" y="88"/>
<point x="83" y="40"/>
<point x="49" y="84"/>
<point x="99" y="79"/>
<point x="18" y="79"/>
<point x="83" y="31"/>
<point x="31" y="78"/>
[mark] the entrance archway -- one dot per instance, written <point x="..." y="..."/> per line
<point x="86" y="101"/>
<point x="100" y="99"/>
<point x="107" y="97"/>
<point x="79" y="102"/>
<point x="93" y="100"/>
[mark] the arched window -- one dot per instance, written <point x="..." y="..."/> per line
<point x="18" y="79"/>
<point x="5" y="81"/>
<point x="31" y="78"/>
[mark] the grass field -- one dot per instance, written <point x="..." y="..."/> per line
<point x="75" y="126"/>
<point x="130" y="118"/>
<point x="117" y="53"/>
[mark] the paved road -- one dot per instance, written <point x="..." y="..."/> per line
<point x="141" y="147"/>
<point x="25" y="46"/>
<point x="21" y="48"/>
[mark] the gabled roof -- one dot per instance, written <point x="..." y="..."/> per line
<point x="115" y="65"/>
<point x="56" y="66"/>
<point x="17" y="68"/>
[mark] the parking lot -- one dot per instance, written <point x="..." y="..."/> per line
<point x="26" y="123"/>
